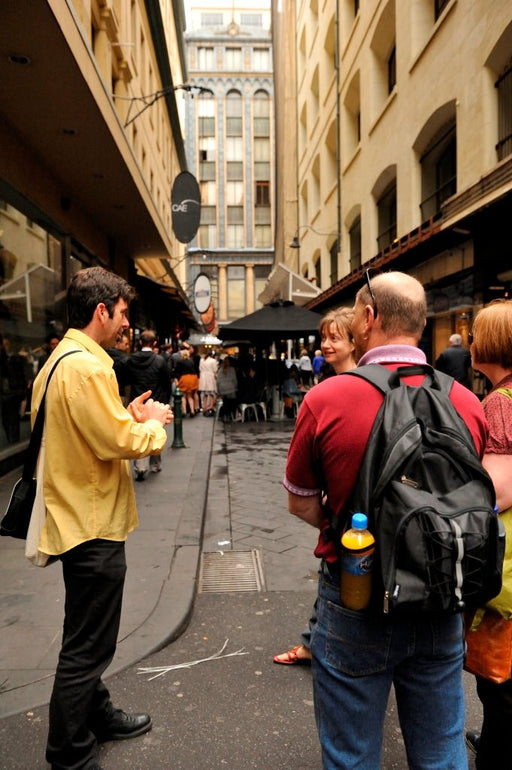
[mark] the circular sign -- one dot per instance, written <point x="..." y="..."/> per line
<point x="202" y="293"/>
<point x="185" y="206"/>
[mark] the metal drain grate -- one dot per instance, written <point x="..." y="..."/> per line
<point x="224" y="571"/>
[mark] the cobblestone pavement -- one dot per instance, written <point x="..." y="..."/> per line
<point x="247" y="471"/>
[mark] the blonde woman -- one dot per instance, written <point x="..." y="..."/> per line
<point x="338" y="350"/>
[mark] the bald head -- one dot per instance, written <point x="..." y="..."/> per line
<point x="401" y="304"/>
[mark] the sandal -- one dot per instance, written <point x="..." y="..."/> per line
<point x="290" y="658"/>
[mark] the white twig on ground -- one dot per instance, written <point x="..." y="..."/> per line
<point x="161" y="670"/>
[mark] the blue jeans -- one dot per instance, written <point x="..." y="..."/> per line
<point x="356" y="658"/>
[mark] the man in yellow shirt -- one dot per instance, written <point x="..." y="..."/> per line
<point x="90" y="509"/>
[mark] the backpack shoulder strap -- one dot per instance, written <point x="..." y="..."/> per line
<point x="386" y="380"/>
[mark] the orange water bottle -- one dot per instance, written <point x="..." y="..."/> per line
<point x="357" y="551"/>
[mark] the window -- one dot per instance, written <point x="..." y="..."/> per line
<point x="262" y="193"/>
<point x="260" y="280"/>
<point x="261" y="114"/>
<point x="234" y="171"/>
<point x="208" y="227"/>
<point x="235" y="193"/>
<point x="383" y="60"/>
<point x="354" y="235"/>
<point x="234" y="148"/>
<point x="235" y="215"/>
<point x="334" y="262"/>
<point x="234" y="113"/>
<point x="236" y="290"/>
<point x="261" y="149"/>
<point x="207" y="148"/>
<point x="263" y="237"/>
<point x="207" y="236"/>
<point x="208" y="215"/>
<point x="205" y="58"/>
<point x="212" y="19"/>
<point x="439" y="6"/>
<point x="438" y="172"/>
<point x="392" y="70"/>
<point x="351" y="133"/>
<point x="261" y="61"/>
<point x="207" y="170"/>
<point x="386" y="209"/>
<point x="251" y="19"/>
<point x="208" y="193"/>
<point x="233" y="59"/>
<point x="235" y="236"/>
<point x="318" y="272"/>
<point x="504" y="86"/>
<point x="206" y="115"/>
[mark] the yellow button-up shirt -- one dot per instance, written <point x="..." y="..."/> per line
<point x="89" y="439"/>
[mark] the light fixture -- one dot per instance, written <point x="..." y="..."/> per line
<point x="150" y="99"/>
<point x="21" y="59"/>
<point x="295" y="243"/>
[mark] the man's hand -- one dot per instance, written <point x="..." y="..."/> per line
<point x="144" y="408"/>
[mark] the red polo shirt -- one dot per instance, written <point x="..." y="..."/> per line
<point x="335" y="420"/>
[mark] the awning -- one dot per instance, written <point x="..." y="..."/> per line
<point x="155" y="275"/>
<point x="283" y="283"/>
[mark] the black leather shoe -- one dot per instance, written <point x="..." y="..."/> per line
<point x="472" y="739"/>
<point x="123" y="726"/>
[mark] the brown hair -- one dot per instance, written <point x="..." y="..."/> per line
<point x="492" y="334"/>
<point x="91" y="286"/>
<point x="341" y="318"/>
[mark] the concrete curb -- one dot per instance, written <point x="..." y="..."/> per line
<point x="169" y="596"/>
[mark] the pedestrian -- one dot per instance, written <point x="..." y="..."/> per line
<point x="208" y="367"/>
<point x="147" y="370"/>
<point x="455" y="360"/>
<point x="357" y="656"/>
<point x="305" y="368"/>
<point x="119" y="354"/>
<point x="227" y="385"/>
<point x="188" y="382"/>
<point x="339" y="351"/>
<point x="90" y="505"/>
<point x="318" y="362"/>
<point x="50" y="343"/>
<point x="491" y="352"/>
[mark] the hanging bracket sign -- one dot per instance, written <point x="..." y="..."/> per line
<point x="185" y="206"/>
<point x="202" y="293"/>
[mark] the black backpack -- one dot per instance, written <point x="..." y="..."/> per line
<point x="429" y="501"/>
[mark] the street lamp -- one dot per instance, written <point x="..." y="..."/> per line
<point x="150" y="99"/>
<point x="295" y="244"/>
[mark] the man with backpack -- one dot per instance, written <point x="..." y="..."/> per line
<point x="417" y="646"/>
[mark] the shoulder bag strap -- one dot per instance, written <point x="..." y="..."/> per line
<point x="36" y="436"/>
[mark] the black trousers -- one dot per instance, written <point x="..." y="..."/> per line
<point x="94" y="575"/>
<point x="494" y="748"/>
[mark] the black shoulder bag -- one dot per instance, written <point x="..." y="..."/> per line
<point x="19" y="509"/>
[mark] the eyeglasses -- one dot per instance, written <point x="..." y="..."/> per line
<point x="372" y="295"/>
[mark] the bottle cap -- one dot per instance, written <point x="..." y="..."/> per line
<point x="359" y="521"/>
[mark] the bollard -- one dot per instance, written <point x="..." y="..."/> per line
<point x="178" y="421"/>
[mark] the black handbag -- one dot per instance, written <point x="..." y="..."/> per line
<point x="19" y="509"/>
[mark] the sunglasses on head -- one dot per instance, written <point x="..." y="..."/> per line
<point x="372" y="295"/>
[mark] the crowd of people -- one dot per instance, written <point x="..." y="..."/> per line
<point x="103" y="415"/>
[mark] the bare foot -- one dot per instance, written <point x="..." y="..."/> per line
<point x="296" y="656"/>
